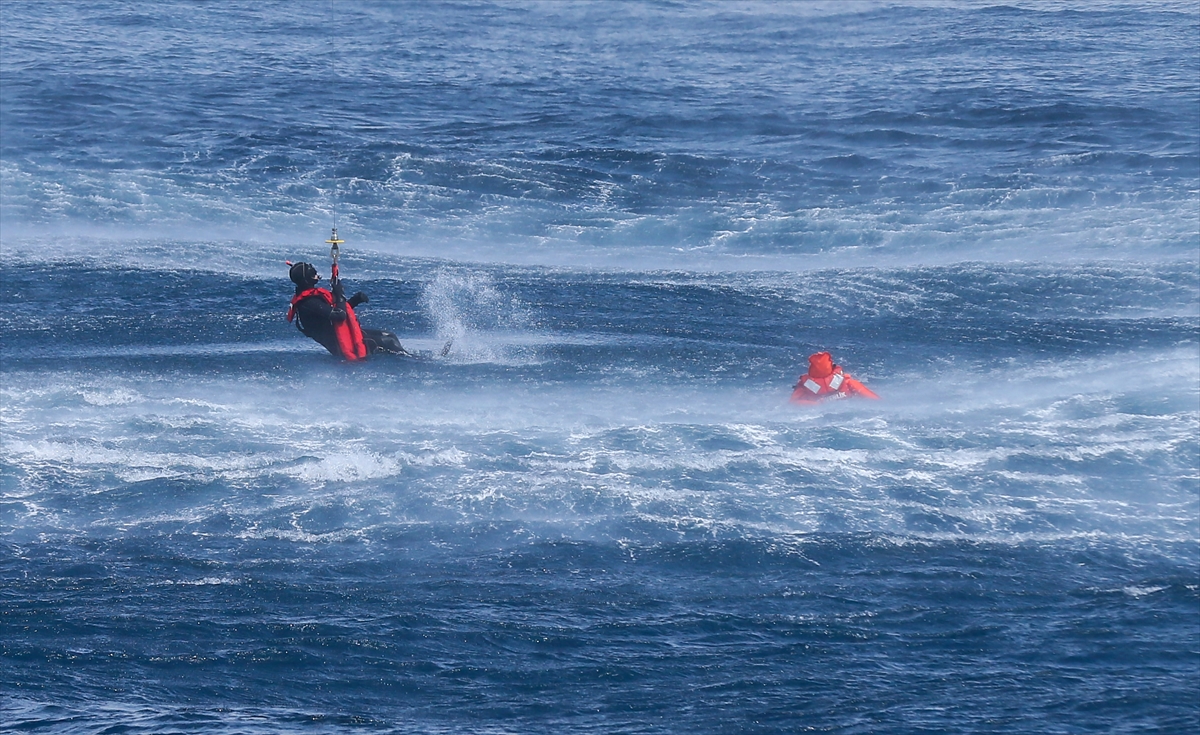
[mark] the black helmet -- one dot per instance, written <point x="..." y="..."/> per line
<point x="304" y="274"/>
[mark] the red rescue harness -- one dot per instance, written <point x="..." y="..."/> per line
<point x="349" y="334"/>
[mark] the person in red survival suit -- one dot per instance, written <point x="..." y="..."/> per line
<point x="328" y="317"/>
<point x="824" y="380"/>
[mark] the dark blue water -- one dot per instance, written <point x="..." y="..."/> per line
<point x="597" y="512"/>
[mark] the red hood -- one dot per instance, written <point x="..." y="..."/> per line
<point x="820" y="364"/>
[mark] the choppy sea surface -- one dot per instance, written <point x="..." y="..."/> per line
<point x="597" y="513"/>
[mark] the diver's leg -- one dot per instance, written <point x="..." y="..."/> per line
<point x="371" y="338"/>
<point x="389" y="342"/>
<point x="377" y="340"/>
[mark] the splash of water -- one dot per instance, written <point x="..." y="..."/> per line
<point x="475" y="315"/>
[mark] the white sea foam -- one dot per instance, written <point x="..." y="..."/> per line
<point x="986" y="456"/>
<point x="260" y="252"/>
<point x="347" y="466"/>
<point x="204" y="582"/>
<point x="1135" y="591"/>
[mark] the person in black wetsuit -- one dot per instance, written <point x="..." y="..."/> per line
<point x="319" y="314"/>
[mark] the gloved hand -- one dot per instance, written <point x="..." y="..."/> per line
<point x="337" y="315"/>
<point x="359" y="298"/>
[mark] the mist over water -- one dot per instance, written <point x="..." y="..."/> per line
<point x="597" y="511"/>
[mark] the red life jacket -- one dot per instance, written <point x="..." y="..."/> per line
<point x="811" y="389"/>
<point x="349" y="334"/>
